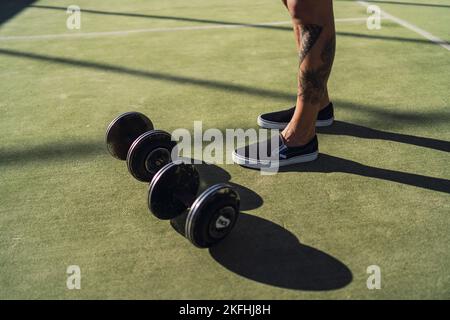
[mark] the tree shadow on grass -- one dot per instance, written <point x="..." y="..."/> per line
<point x="265" y="252"/>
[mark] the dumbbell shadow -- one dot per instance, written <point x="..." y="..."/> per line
<point x="265" y="252"/>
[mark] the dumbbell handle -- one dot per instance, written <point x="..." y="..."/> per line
<point x="184" y="198"/>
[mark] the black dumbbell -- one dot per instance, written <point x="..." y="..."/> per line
<point x="205" y="220"/>
<point x="132" y="137"/>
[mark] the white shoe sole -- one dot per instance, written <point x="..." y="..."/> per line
<point x="266" y="124"/>
<point x="270" y="164"/>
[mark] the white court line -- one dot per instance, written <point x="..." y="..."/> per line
<point x="411" y="27"/>
<point x="171" y="29"/>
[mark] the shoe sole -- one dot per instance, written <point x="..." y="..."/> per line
<point x="268" y="164"/>
<point x="266" y="124"/>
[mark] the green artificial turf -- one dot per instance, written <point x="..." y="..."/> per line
<point x="378" y="195"/>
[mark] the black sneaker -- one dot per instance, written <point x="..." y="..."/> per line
<point x="279" y="155"/>
<point x="280" y="119"/>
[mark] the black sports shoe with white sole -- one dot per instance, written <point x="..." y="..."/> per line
<point x="273" y="153"/>
<point x="280" y="119"/>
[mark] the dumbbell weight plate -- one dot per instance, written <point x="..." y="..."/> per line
<point x="124" y="130"/>
<point x="149" y="153"/>
<point x="212" y="216"/>
<point x="172" y="190"/>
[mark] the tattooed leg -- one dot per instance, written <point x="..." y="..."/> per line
<point x="315" y="22"/>
<point x="298" y="39"/>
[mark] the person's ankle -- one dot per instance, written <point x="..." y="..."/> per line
<point x="294" y="139"/>
<point x="324" y="103"/>
<point x="324" y="100"/>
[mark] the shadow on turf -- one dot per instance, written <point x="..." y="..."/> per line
<point x="220" y="22"/>
<point x="51" y="151"/>
<point x="213" y="84"/>
<point x="263" y="251"/>
<point x="10" y="8"/>
<point x="327" y="164"/>
<point x="382" y="112"/>
<point x="266" y="252"/>
<point x="419" y="4"/>
<point x="399" y="117"/>
<point x="162" y="17"/>
<point x="389" y="38"/>
<point x="349" y="129"/>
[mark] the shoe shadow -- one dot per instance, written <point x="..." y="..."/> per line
<point x="327" y="164"/>
<point x="265" y="252"/>
<point x="349" y="129"/>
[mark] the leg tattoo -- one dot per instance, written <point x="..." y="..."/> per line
<point x="312" y="82"/>
<point x="310" y="33"/>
